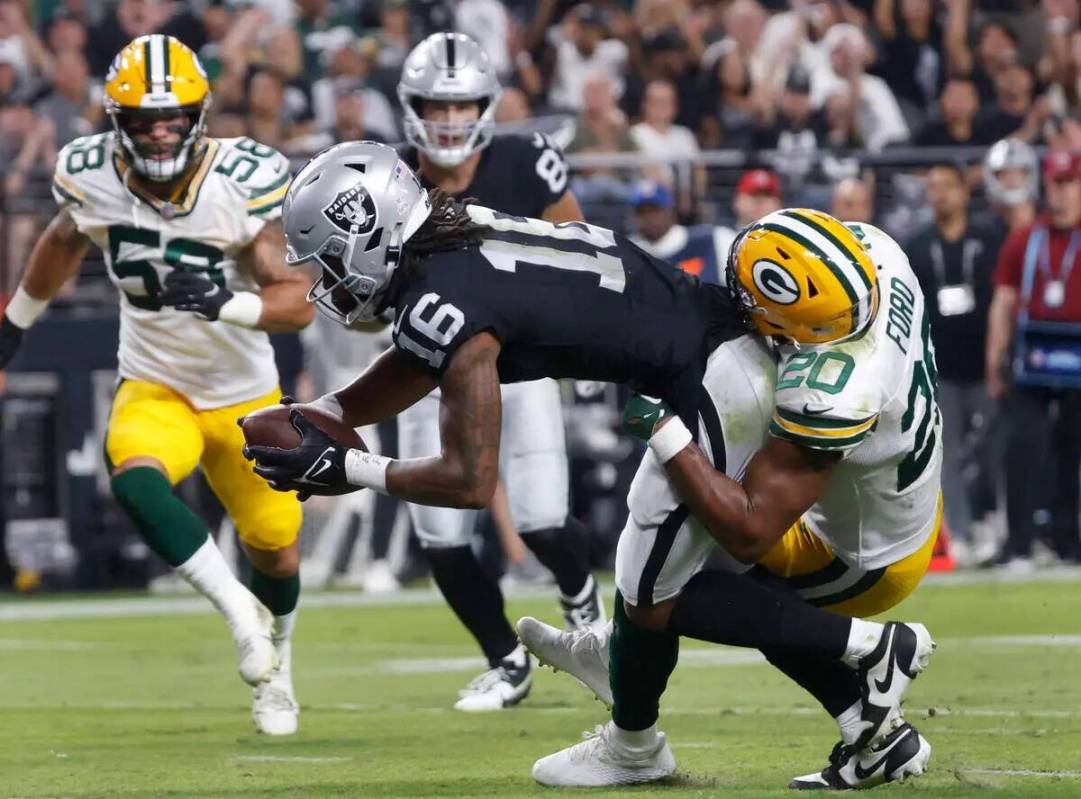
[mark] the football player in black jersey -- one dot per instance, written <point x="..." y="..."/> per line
<point x="482" y="298"/>
<point x="448" y="93"/>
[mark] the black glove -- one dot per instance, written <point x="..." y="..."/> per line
<point x="314" y="466"/>
<point x="194" y="291"/>
<point x="11" y="335"/>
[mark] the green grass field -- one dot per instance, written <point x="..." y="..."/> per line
<point x="141" y="705"/>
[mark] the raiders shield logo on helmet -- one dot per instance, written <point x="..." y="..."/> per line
<point x="353" y="207"/>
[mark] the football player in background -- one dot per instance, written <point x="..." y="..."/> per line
<point x="481" y="297"/>
<point x="820" y="462"/>
<point x="448" y="93"/>
<point x="191" y="232"/>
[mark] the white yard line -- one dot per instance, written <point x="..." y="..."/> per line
<point x="287" y="759"/>
<point x="1022" y="772"/>
<point x="45" y="645"/>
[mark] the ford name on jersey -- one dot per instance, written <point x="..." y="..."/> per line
<point x="238" y="186"/>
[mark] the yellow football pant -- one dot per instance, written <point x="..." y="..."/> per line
<point x="152" y="421"/>
<point x="807" y="564"/>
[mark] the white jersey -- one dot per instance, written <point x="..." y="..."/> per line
<point x="238" y="188"/>
<point x="873" y="400"/>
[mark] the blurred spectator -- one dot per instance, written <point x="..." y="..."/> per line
<point x="1011" y="181"/>
<point x="65" y="32"/>
<point x="954" y="258"/>
<point x="1013" y="112"/>
<point x="73" y="107"/>
<point x="513" y="107"/>
<point x="910" y="59"/>
<point x="350" y="122"/>
<point x="700" y="250"/>
<point x="660" y="139"/>
<point x="323" y="27"/>
<point x="600" y="127"/>
<point x="758" y="193"/>
<point x="20" y="46"/>
<point x="582" y="48"/>
<point x="278" y="114"/>
<point x="996" y="50"/>
<point x="132" y="18"/>
<point x="487" y="22"/>
<point x="666" y="56"/>
<point x="347" y="70"/>
<point x="853" y="201"/>
<point x="389" y="45"/>
<point x="879" y="121"/>
<point x="958" y="106"/>
<point x="1036" y="280"/>
<point x="792" y="125"/>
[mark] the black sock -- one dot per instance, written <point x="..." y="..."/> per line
<point x="733" y="609"/>
<point x="830" y="681"/>
<point x="565" y="552"/>
<point x="640" y="663"/>
<point x="475" y="598"/>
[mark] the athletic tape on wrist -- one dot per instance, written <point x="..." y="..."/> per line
<point x="667" y="442"/>
<point x="24" y="310"/>
<point x="366" y="470"/>
<point x="243" y="309"/>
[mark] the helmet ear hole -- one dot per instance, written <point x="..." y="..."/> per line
<point x="812" y="289"/>
<point x="375" y="240"/>
<point x="784" y="256"/>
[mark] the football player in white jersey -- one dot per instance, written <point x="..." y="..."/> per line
<point x="191" y="233"/>
<point x="818" y="459"/>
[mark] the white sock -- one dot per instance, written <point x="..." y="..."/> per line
<point x="517" y="656"/>
<point x="850" y="723"/>
<point x="635" y="740"/>
<point x="863" y="637"/>
<point x="283" y="638"/>
<point x="210" y="575"/>
<point x="582" y="595"/>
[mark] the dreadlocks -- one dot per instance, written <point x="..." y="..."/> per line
<point x="448" y="227"/>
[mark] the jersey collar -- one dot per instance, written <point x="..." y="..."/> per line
<point x="182" y="201"/>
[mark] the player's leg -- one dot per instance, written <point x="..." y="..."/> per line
<point x="473" y="594"/>
<point x="267" y="522"/>
<point x="153" y="442"/>
<point x="533" y="463"/>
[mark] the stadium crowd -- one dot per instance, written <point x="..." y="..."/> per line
<point x="810" y="89"/>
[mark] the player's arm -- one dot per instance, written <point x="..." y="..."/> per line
<point x="749" y="517"/>
<point x="1001" y="319"/>
<point x="280" y="306"/>
<point x="55" y="259"/>
<point x="463" y="475"/>
<point x="565" y="209"/>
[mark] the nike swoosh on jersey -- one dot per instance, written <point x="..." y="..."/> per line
<point x="809" y="411"/>
<point x="862" y="773"/>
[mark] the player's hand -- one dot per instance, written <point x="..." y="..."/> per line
<point x="642" y="414"/>
<point x="195" y="292"/>
<point x="11" y="335"/>
<point x="315" y="466"/>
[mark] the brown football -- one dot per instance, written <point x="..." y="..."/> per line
<point x="270" y="427"/>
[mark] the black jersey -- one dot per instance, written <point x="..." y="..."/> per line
<point x="567" y="300"/>
<point x="519" y="175"/>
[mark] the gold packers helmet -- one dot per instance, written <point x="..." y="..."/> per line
<point x="803" y="275"/>
<point x="157" y="77"/>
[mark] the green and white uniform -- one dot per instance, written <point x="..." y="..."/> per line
<point x="238" y="187"/>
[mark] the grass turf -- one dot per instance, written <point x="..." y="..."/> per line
<point x="150" y="706"/>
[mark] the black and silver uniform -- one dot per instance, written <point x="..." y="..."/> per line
<point x="568" y="300"/>
<point x="520" y="175"/>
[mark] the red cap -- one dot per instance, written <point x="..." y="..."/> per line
<point x="1062" y="165"/>
<point x="759" y="181"/>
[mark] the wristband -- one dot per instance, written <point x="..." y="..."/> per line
<point x="24" y="310"/>
<point x="243" y="309"/>
<point x="328" y="404"/>
<point x="366" y="470"/>
<point x="667" y="442"/>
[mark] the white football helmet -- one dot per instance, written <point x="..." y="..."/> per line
<point x="448" y="67"/>
<point x="1011" y="154"/>
<point x="350" y="209"/>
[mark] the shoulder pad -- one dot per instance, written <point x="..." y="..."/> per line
<point x="77" y="164"/>
<point x="260" y="171"/>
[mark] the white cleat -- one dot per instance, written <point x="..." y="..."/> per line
<point x="902" y="754"/>
<point x="600" y="760"/>
<point x="903" y="651"/>
<point x="504" y="686"/>
<point x="274" y="707"/>
<point x="255" y="649"/>
<point x="582" y="653"/>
